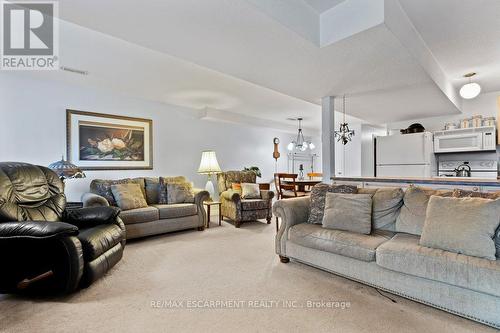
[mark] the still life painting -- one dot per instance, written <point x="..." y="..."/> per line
<point x="107" y="142"/>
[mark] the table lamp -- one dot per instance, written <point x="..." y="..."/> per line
<point x="66" y="170"/>
<point x="209" y="166"/>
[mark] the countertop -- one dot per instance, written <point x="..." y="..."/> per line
<point x="419" y="180"/>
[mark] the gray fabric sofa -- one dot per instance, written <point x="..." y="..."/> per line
<point x="156" y="218"/>
<point x="393" y="261"/>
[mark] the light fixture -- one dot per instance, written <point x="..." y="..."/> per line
<point x="66" y="170"/>
<point x="470" y="90"/>
<point x="300" y="144"/>
<point x="209" y="166"/>
<point x="344" y="134"/>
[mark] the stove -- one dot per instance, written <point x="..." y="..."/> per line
<point x="479" y="168"/>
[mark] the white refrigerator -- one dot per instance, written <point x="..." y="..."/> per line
<point x="405" y="155"/>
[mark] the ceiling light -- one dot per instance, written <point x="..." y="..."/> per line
<point x="300" y="144"/>
<point x="470" y="90"/>
<point x="344" y="134"/>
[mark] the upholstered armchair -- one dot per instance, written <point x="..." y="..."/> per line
<point x="237" y="209"/>
<point x="45" y="249"/>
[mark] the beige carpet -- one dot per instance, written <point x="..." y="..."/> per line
<point x="221" y="263"/>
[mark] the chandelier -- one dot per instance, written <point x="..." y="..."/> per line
<point x="344" y="134"/>
<point x="300" y="144"/>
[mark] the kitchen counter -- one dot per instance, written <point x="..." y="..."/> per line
<point x="418" y="180"/>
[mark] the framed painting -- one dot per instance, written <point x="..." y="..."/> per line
<point x="97" y="141"/>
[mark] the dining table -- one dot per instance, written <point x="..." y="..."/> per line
<point x="302" y="183"/>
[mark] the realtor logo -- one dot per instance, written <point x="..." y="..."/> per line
<point x="29" y="35"/>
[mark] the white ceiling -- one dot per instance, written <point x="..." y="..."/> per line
<point x="231" y="56"/>
<point x="464" y="36"/>
<point x="321" y="6"/>
<point x="235" y="38"/>
<point x="138" y="71"/>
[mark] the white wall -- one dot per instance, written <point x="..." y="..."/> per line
<point x="33" y="130"/>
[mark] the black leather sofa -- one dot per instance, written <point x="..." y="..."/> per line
<point x="45" y="249"/>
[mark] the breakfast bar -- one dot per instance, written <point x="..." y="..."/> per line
<point x="472" y="184"/>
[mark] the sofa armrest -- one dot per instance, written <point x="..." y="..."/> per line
<point x="231" y="195"/>
<point x="266" y="194"/>
<point x="94" y="200"/>
<point x="291" y="211"/>
<point x="200" y="195"/>
<point x="36" y="230"/>
<point x="92" y="216"/>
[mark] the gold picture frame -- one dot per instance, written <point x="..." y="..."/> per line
<point x="99" y="141"/>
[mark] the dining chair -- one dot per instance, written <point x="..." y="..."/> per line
<point x="286" y="188"/>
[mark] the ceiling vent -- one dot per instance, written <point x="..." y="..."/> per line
<point x="74" y="70"/>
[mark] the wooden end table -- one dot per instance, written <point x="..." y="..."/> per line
<point x="209" y="204"/>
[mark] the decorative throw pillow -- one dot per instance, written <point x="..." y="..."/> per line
<point x="412" y="216"/>
<point x="153" y="184"/>
<point x="349" y="212"/>
<point x="462" y="225"/>
<point x="250" y="191"/>
<point x="236" y="187"/>
<point x="318" y="196"/>
<point x="152" y="194"/>
<point x="128" y="196"/>
<point x="162" y="192"/>
<point x="180" y="193"/>
<point x="387" y="202"/>
<point x="103" y="187"/>
<point x="458" y="193"/>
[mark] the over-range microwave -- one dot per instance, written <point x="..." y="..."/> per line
<point x="465" y="139"/>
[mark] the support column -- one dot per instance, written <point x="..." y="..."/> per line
<point x="327" y="137"/>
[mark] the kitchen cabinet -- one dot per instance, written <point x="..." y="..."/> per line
<point x="490" y="189"/>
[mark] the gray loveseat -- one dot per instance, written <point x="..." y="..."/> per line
<point x="156" y="218"/>
<point x="393" y="261"/>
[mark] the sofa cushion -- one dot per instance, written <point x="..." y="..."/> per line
<point x="128" y="196"/>
<point x="404" y="254"/>
<point x="99" y="239"/>
<point x="103" y="187"/>
<point x="412" y="216"/>
<point x="318" y="197"/>
<point x="349" y="244"/>
<point x="462" y="225"/>
<point x="387" y="203"/>
<point x="458" y="193"/>
<point x="250" y="191"/>
<point x="253" y="204"/>
<point x="152" y="186"/>
<point x="140" y="215"/>
<point x="349" y="212"/>
<point x="176" y="210"/>
<point x="180" y="193"/>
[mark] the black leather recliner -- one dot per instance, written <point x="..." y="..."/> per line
<point x="45" y="249"/>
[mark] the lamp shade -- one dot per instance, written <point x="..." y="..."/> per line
<point x="209" y="164"/>
<point x="65" y="169"/>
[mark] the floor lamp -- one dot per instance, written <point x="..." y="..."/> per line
<point x="209" y="166"/>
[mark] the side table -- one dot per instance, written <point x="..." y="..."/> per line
<point x="209" y="204"/>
